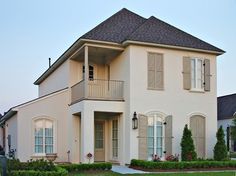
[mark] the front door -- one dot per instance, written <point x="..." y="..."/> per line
<point x="99" y="143"/>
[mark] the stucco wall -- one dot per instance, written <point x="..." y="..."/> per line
<point x="11" y="129"/>
<point x="54" y="107"/>
<point x="173" y="100"/>
<point x="59" y="79"/>
<point x="120" y="70"/>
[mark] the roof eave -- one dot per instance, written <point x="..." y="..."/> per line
<point x="128" y="42"/>
<point x="66" y="54"/>
<point x="7" y="116"/>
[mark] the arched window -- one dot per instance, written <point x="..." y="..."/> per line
<point x="43" y="136"/>
<point x="155" y="136"/>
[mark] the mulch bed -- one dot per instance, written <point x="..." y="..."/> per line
<point x="180" y="170"/>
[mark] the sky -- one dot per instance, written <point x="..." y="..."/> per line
<point x="33" y="31"/>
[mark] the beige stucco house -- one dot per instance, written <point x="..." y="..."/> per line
<point x="89" y="98"/>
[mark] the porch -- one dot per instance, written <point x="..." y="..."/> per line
<point x="97" y="128"/>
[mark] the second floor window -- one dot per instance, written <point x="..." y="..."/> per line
<point x="197" y="74"/>
<point x="91" y="72"/>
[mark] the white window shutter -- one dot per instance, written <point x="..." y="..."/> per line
<point x="207" y="75"/>
<point x="168" y="135"/>
<point x="142" y="143"/>
<point x="187" y="73"/>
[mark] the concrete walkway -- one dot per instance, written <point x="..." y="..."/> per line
<point x="126" y="170"/>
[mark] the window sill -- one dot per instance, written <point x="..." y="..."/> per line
<point x="197" y="91"/>
<point x="40" y="155"/>
<point x="161" y="89"/>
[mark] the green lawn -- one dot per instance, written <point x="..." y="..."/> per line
<point x="109" y="173"/>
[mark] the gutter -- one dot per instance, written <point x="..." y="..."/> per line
<point x="127" y="42"/>
<point x="11" y="112"/>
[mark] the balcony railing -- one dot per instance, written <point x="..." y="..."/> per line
<point x="98" y="89"/>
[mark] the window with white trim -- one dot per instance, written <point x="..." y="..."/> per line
<point x="197" y="74"/>
<point x="114" y="138"/>
<point x="155" y="136"/>
<point x="43" y="136"/>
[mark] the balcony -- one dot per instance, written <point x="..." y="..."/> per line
<point x="98" y="89"/>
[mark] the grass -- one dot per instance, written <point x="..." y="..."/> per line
<point x="109" y="173"/>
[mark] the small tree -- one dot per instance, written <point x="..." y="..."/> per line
<point x="233" y="129"/>
<point x="220" y="149"/>
<point x="187" y="147"/>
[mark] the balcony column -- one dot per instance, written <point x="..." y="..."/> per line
<point x="86" y="72"/>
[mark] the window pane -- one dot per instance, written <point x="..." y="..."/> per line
<point x="38" y="149"/>
<point x="115" y="138"/>
<point x="199" y="73"/>
<point x="150" y="142"/>
<point x="159" y="142"/>
<point x="38" y="140"/>
<point x="159" y="152"/>
<point x="150" y="131"/>
<point x="193" y="73"/>
<point x="48" y="149"/>
<point x="159" y="131"/>
<point x="49" y="140"/>
<point x="150" y="152"/>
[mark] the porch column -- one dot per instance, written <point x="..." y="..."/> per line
<point x="86" y="71"/>
<point x="87" y="135"/>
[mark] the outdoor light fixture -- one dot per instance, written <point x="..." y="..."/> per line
<point x="135" y="121"/>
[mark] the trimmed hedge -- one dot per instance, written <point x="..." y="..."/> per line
<point x="37" y="165"/>
<point x="83" y="167"/>
<point x="59" y="172"/>
<point x="182" y="165"/>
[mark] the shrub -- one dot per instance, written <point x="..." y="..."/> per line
<point x="83" y="167"/>
<point x="58" y="172"/>
<point x="187" y="147"/>
<point x="166" y="165"/>
<point x="37" y="165"/>
<point x="172" y="158"/>
<point x="220" y="149"/>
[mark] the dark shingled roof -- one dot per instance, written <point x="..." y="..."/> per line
<point x="126" y="25"/>
<point x="116" y="28"/>
<point x="226" y="106"/>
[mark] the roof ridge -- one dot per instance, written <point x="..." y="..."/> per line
<point x="107" y="19"/>
<point x="146" y="20"/>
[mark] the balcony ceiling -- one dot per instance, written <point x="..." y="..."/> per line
<point x="98" y="55"/>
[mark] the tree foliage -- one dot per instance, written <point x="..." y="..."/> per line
<point x="220" y="149"/>
<point x="187" y="147"/>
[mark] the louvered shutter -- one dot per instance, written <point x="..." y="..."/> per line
<point x="207" y="75"/>
<point x="142" y="143"/>
<point x="168" y="135"/>
<point x="159" y="81"/>
<point x="151" y="70"/>
<point x="187" y="73"/>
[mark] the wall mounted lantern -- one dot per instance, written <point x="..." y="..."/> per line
<point x="135" y="121"/>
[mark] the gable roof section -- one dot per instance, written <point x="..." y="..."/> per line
<point x="226" y="106"/>
<point x="125" y="26"/>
